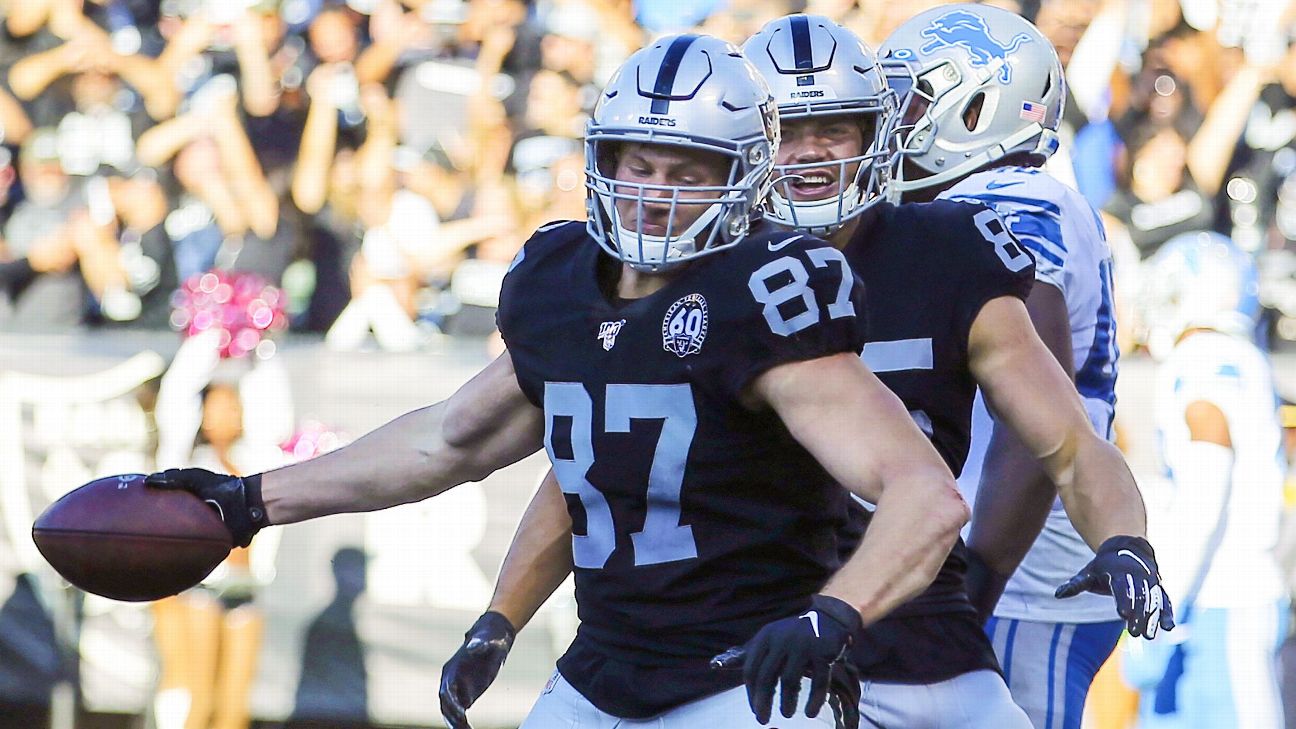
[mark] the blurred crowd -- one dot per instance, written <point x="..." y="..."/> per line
<point x="382" y="160"/>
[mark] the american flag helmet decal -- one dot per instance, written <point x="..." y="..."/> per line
<point x="1031" y="111"/>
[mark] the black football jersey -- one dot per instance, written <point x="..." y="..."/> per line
<point x="928" y="269"/>
<point x="695" y="519"/>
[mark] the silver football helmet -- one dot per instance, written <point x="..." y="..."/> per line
<point x="693" y="92"/>
<point x="977" y="83"/>
<point x="1199" y="280"/>
<point x="816" y="67"/>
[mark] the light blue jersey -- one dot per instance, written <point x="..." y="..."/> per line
<point x="1218" y="668"/>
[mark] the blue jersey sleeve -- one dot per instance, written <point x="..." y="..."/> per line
<point x="1039" y="211"/>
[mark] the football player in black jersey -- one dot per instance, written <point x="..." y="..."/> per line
<point x="946" y="286"/>
<point x="977" y="125"/>
<point x="945" y="283"/>
<point x="700" y="396"/>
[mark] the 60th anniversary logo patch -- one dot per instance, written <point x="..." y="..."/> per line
<point x="685" y="326"/>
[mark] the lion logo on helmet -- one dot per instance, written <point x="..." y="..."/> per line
<point x="968" y="31"/>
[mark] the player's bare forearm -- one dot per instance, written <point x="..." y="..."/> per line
<point x="861" y="434"/>
<point x="1027" y="389"/>
<point x="909" y="537"/>
<point x="1013" y="501"/>
<point x="539" y="559"/>
<point x="1102" y="499"/>
<point x="486" y="425"/>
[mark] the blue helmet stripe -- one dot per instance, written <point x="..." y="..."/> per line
<point x="666" y="74"/>
<point x="801" y="53"/>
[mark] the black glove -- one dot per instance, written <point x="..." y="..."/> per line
<point x="236" y="500"/>
<point x="812" y="644"/>
<point x="843" y="691"/>
<point x="984" y="586"/>
<point x="1126" y="568"/>
<point x="472" y="669"/>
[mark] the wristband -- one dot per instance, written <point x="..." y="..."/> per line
<point x="255" y="504"/>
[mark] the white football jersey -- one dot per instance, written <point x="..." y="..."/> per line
<point x="1236" y="376"/>
<point x="1066" y="236"/>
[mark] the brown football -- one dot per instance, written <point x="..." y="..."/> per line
<point x="118" y="538"/>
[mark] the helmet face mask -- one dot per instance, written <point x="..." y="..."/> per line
<point x="653" y="225"/>
<point x="852" y="180"/>
<point x="685" y="103"/>
<point x="979" y="84"/>
<point x="821" y="72"/>
<point x="922" y="94"/>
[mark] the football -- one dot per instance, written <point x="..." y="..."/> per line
<point x="118" y="538"/>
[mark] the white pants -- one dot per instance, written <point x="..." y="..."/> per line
<point x="1049" y="666"/>
<point x="561" y="706"/>
<point x="975" y="700"/>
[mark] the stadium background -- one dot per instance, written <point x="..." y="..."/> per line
<point x="381" y="161"/>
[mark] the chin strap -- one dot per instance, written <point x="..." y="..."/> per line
<point x="816" y="217"/>
<point x="653" y="252"/>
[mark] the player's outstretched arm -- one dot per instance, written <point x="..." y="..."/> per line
<point x="486" y="425"/>
<point x="538" y="560"/>
<point x="1015" y="493"/>
<point x="860" y="433"/>
<point x="1026" y="388"/>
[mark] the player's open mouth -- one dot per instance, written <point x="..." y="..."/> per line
<point x="811" y="185"/>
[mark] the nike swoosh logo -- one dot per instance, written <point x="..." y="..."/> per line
<point x="1135" y="557"/>
<point x="813" y="617"/>
<point x="1001" y="185"/>
<point x="781" y="244"/>
<point x="216" y="505"/>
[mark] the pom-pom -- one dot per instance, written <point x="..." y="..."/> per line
<point x="242" y="306"/>
<point x="312" y="439"/>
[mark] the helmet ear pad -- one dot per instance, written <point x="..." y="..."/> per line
<point x="609" y="155"/>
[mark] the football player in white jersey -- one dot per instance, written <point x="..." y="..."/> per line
<point x="983" y="96"/>
<point x="1217" y="422"/>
